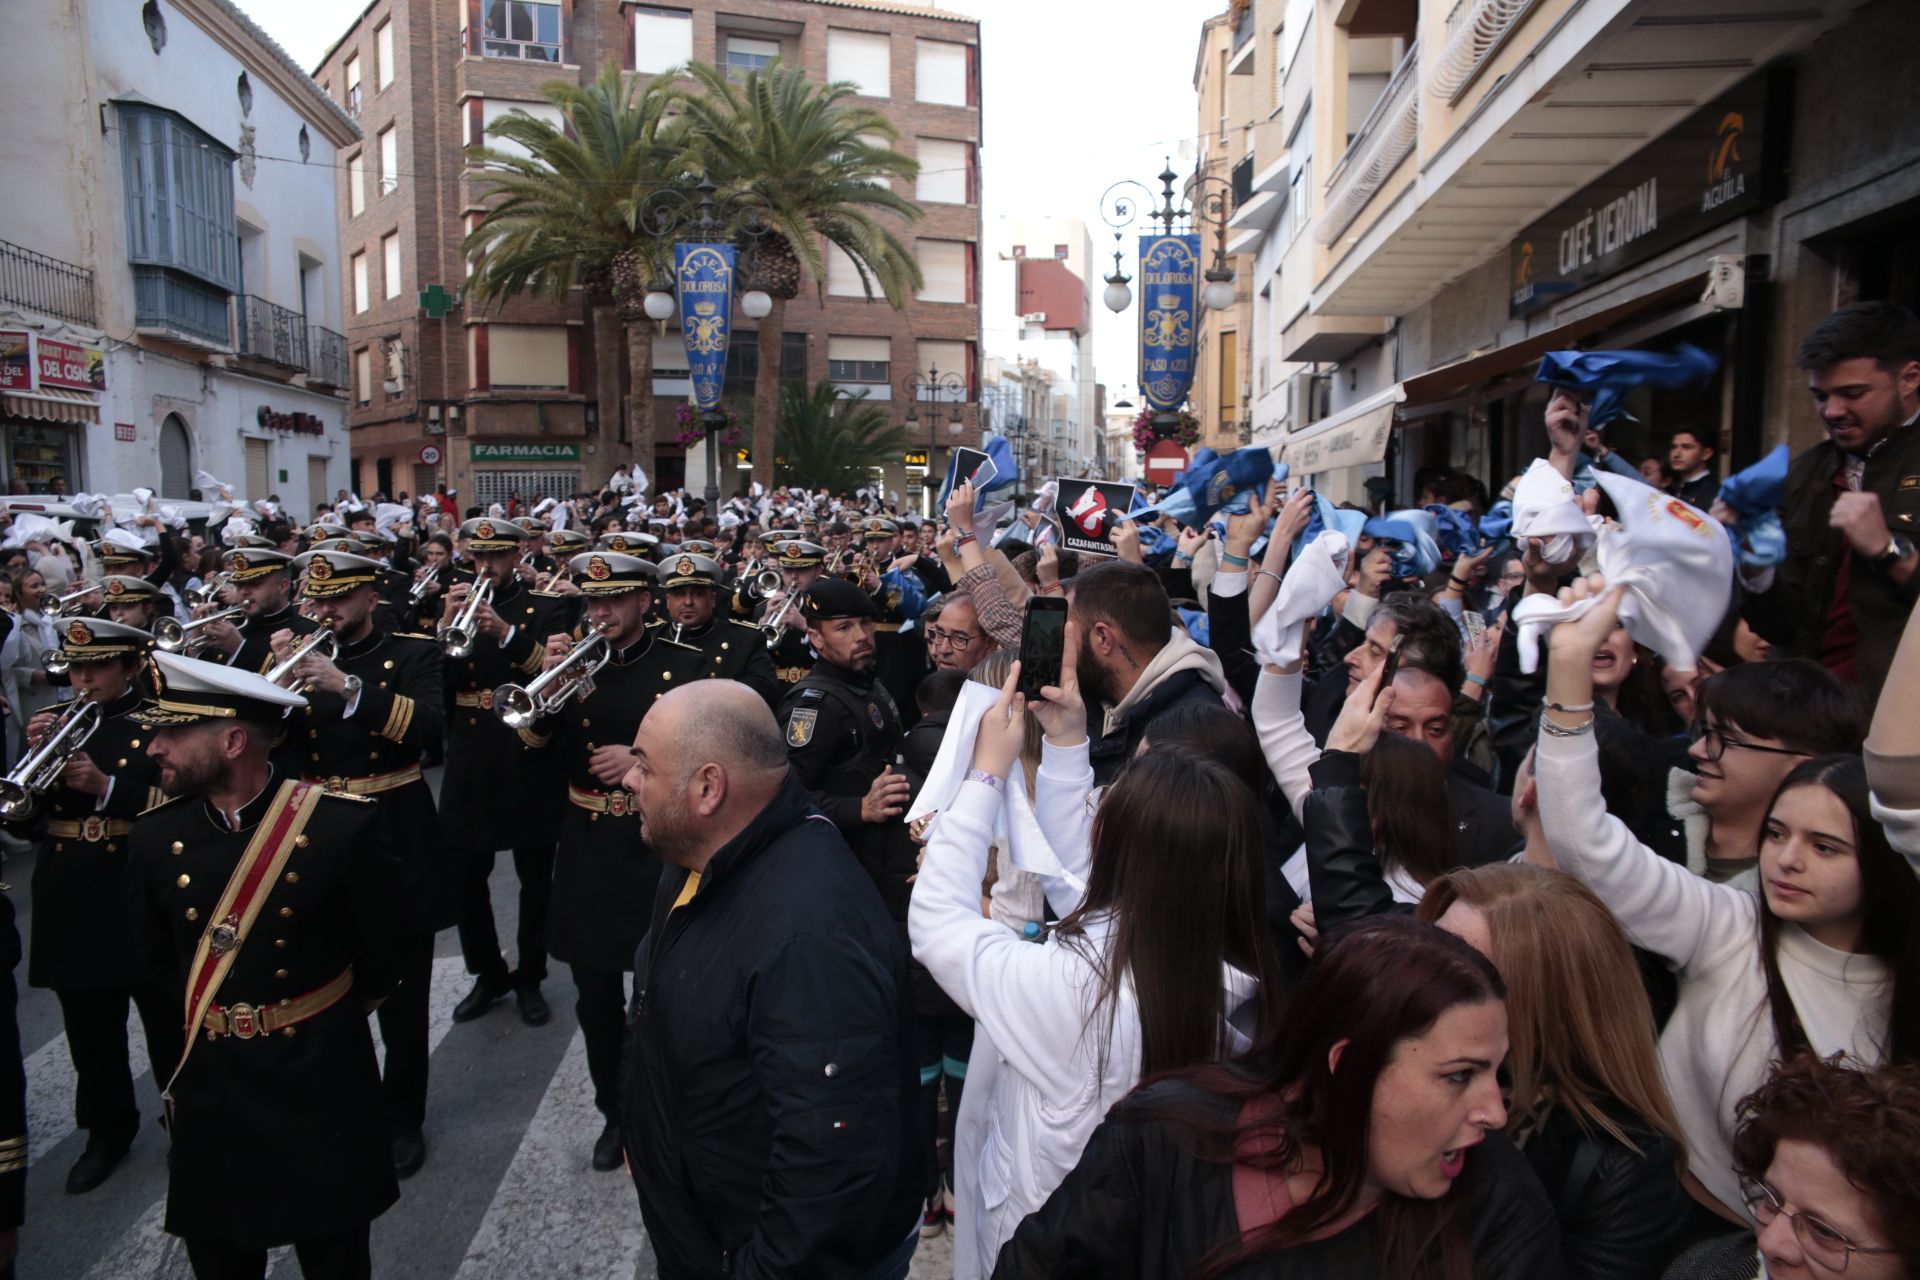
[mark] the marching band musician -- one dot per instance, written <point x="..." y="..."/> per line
<point x="735" y="650"/>
<point x="371" y="713"/>
<point x="270" y="908"/>
<point x="436" y="558"/>
<point x="79" y="885"/>
<point x="800" y="563"/>
<point x="563" y="545"/>
<point x="604" y="876"/>
<point x="899" y="598"/>
<point x="478" y="814"/>
<point x="259" y="581"/>
<point x="536" y="560"/>
<point x="132" y="602"/>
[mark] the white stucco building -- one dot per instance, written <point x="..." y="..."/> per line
<point x="1037" y="309"/>
<point x="170" y="287"/>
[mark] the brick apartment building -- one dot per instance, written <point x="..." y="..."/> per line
<point x="498" y="399"/>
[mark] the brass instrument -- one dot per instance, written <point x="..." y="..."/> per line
<point x="174" y="636"/>
<point x="321" y="639"/>
<point x="569" y="679"/>
<point x="208" y="592"/>
<point x="28" y="782"/>
<point x="774" y="622"/>
<point x="456" y="640"/>
<point x="62" y="604"/>
<point x="761" y="580"/>
<point x="418" y="596"/>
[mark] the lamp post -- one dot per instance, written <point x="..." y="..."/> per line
<point x="671" y="214"/>
<point x="938" y="385"/>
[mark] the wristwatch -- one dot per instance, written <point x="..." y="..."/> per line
<point x="1898" y="549"/>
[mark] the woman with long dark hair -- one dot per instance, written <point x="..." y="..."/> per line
<point x="1144" y="976"/>
<point x="1821" y="955"/>
<point x="1355" y="1148"/>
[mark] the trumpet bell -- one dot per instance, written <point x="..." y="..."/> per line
<point x="516" y="707"/>
<point x="17" y="804"/>
<point x="169" y="635"/>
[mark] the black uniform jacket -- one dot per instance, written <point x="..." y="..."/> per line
<point x="604" y="874"/>
<point x="771" y="1073"/>
<point x="1143" y="1201"/>
<point x="401" y="711"/>
<point x="279" y="1137"/>
<point x="734" y="650"/>
<point x="79" y="881"/>
<point x="501" y="790"/>
<point x="255" y="654"/>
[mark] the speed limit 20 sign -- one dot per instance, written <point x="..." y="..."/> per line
<point x="429" y="455"/>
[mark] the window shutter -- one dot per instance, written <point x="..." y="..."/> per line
<point x="863" y="57"/>
<point x="843" y="277"/>
<point x="944" y="268"/>
<point x="944" y="166"/>
<point x="533" y="356"/>
<point x="662" y="38"/>
<point x="940" y="72"/>
<point x="861" y="350"/>
<point x="259" y="478"/>
<point x="948" y="357"/>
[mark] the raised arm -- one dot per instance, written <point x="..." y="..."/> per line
<point x="1893" y="747"/>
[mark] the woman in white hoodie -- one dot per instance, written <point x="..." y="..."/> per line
<point x="1117" y="990"/>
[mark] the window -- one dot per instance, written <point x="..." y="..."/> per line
<point x="743" y="358"/>
<point x="258" y="461"/>
<point x="521" y="29"/>
<point x="940" y="72"/>
<point x="852" y="360"/>
<point x="947" y="357"/>
<point x="670" y="356"/>
<point x="389" y="161"/>
<point x="363" y="376"/>
<point x="356" y="184"/>
<point x="946" y="171"/>
<point x="843" y="277"/>
<point x="468" y="225"/>
<point x="947" y="270"/>
<point x="493" y="108"/>
<point x="528" y="357"/>
<point x="359" y="283"/>
<point x="863" y="57"/>
<point x="390" y="264"/>
<point x="660" y="38"/>
<point x="353" y="86"/>
<point x="383" y="54"/>
<point x="745" y="55"/>
<point x="1060" y="252"/>
<point x="179" y="185"/>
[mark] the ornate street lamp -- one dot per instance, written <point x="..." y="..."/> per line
<point x="739" y="219"/>
<point x="937" y="387"/>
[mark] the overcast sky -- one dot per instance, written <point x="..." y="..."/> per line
<point x="1077" y="94"/>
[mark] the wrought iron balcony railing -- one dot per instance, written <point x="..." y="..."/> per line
<point x="270" y="333"/>
<point x="47" y="285"/>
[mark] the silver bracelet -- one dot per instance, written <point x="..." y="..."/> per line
<point x="1553" y="730"/>
<point x="1264" y="572"/>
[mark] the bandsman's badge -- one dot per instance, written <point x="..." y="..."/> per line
<point x="319" y="568"/>
<point x="78" y="635"/>
<point x="599" y="570"/>
<point x="484" y="529"/>
<point x="800" y="727"/>
<point x="116" y="588"/>
<point x="684" y="568"/>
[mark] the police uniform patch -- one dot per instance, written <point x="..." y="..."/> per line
<point x="800" y="726"/>
<point x="873" y="714"/>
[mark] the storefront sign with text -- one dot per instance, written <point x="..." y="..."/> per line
<point x="506" y="452"/>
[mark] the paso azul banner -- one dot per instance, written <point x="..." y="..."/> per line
<point x="703" y="286"/>
<point x="1169" y="278"/>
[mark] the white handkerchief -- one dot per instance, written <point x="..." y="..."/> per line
<point x="1544" y="507"/>
<point x="1313" y="580"/>
<point x="1675" y="562"/>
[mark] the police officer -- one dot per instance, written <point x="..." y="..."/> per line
<point x="604" y="877"/>
<point x="499" y="789"/>
<point x="735" y="650"/>
<point x="259" y="581"/>
<point x="79" y="895"/>
<point x="271" y="909"/>
<point x="799" y="562"/>
<point x="843" y="730"/>
<point x="371" y="712"/>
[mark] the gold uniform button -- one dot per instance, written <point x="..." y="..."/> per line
<point x="666" y="675"/>
<point x="280" y="943"/>
<point x="388" y="664"/>
<point x="192" y="914"/>
<point x="293" y="877"/>
<point x="280" y="973"/>
<point x="288" y="1031"/>
<point x="300" y="841"/>
<point x="286" y="913"/>
<point x="135" y="744"/>
<point x="184" y="881"/>
<point x="179" y="848"/>
<point x="123" y="762"/>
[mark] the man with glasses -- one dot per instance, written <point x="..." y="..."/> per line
<point x="956" y="640"/>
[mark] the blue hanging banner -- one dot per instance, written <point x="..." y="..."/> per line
<point x="703" y="287"/>
<point x="1169" y="282"/>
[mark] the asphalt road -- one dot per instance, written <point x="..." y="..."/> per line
<point x="507" y="1193"/>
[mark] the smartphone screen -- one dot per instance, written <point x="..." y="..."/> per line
<point x="1042" y="636"/>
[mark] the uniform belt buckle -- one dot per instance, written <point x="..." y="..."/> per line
<point x="93" y="829"/>
<point x="617" y="804"/>
<point x="241" y="1023"/>
<point x="486" y="699"/>
<point x="335" y="783"/>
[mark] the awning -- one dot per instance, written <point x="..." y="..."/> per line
<point x="50" y="404"/>
<point x="1353" y="437"/>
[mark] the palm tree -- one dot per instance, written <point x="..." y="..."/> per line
<point x="568" y="212"/>
<point x="828" y="437"/>
<point x="812" y="157"/>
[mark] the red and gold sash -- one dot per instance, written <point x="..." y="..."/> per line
<point x="246" y="893"/>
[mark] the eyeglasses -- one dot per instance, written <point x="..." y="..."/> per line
<point x="1822" y="1243"/>
<point x="958" y="639"/>
<point x="1717" y="743"/>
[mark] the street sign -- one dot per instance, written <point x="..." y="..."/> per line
<point x="429" y="455"/>
<point x="436" y="301"/>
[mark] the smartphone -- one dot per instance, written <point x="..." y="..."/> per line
<point x="1042" y="636"/>
<point x="1392" y="665"/>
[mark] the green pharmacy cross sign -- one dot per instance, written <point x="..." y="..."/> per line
<point x="436" y="301"/>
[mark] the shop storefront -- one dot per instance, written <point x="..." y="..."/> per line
<point x="527" y="470"/>
<point x="49" y="392"/>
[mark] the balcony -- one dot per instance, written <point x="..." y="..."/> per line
<point x="1242" y="183"/>
<point x="47" y="285"/>
<point x="326" y="357"/>
<point x="175" y="305"/>
<point x="1240" y="60"/>
<point x="1476" y="29"/>
<point x="1383" y="141"/>
<point x="271" y="334"/>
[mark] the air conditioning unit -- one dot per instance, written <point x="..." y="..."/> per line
<point x="1034" y="317"/>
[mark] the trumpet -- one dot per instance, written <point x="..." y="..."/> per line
<point x="761" y="580"/>
<point x="774" y="624"/>
<point x="62" y="604"/>
<point x="456" y="640"/>
<point x="173" y="635"/>
<point x="321" y="639"/>
<point x="208" y="592"/>
<point x="418" y="595"/>
<point x="569" y="679"/>
<point x="28" y="782"/>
